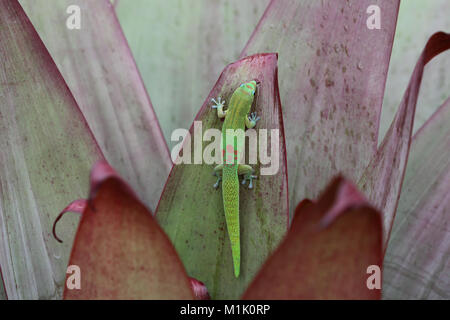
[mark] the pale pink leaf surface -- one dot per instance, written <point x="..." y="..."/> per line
<point x="191" y="209"/>
<point x="114" y="3"/>
<point x="121" y="251"/>
<point x="46" y="152"/>
<point x="181" y="47"/>
<point x="417" y="21"/>
<point x="332" y="77"/>
<point x="383" y="177"/>
<point x="417" y="260"/>
<point x="99" y="69"/>
<point x="327" y="251"/>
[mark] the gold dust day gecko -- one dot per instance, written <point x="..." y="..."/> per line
<point x="237" y="117"/>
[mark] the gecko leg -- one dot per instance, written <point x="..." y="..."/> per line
<point x="218" y="173"/>
<point x="251" y="120"/>
<point x="219" y="106"/>
<point x="247" y="172"/>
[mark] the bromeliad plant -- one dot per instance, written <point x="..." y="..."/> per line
<point x="331" y="86"/>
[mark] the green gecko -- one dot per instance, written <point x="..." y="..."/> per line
<point x="236" y="117"/>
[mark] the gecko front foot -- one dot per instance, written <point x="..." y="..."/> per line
<point x="219" y="104"/>
<point x="250" y="178"/>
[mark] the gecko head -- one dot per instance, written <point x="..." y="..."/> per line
<point x="249" y="87"/>
<point x="246" y="92"/>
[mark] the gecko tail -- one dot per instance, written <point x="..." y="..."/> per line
<point x="236" y="251"/>
<point x="233" y="231"/>
<point x="230" y="188"/>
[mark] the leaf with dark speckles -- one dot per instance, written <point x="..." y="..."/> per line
<point x="46" y="152"/>
<point x="100" y="71"/>
<point x="329" y="62"/>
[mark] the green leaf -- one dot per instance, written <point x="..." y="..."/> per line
<point x="99" y="69"/>
<point x="119" y="248"/>
<point x="191" y="210"/>
<point x="182" y="46"/>
<point x="332" y="78"/>
<point x="46" y="153"/>
<point x="327" y="252"/>
<point x="3" y="295"/>
<point x="416" y="264"/>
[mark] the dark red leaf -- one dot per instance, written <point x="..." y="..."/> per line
<point x="327" y="251"/>
<point x="121" y="251"/>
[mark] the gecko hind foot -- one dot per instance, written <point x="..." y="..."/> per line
<point x="219" y="178"/>
<point x="254" y="118"/>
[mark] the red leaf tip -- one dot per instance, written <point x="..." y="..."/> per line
<point x="101" y="171"/>
<point x="346" y="196"/>
<point x="77" y="206"/>
<point x="199" y="289"/>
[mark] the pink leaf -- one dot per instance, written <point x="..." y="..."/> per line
<point x="46" y="153"/>
<point x="417" y="264"/>
<point x="383" y="177"/>
<point x="332" y="77"/>
<point x="99" y="69"/>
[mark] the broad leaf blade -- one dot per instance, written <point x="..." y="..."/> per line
<point x="46" y="151"/>
<point x="121" y="251"/>
<point x="332" y="77"/>
<point x="100" y="71"/>
<point x="327" y="251"/>
<point x="382" y="180"/>
<point x="181" y="47"/>
<point x="416" y="264"/>
<point x="191" y="210"/>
